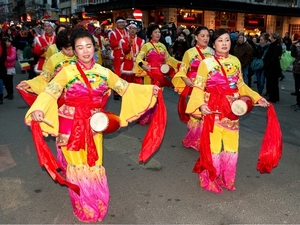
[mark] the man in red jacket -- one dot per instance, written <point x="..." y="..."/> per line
<point x="127" y="66"/>
<point x="42" y="43"/>
<point x="120" y="44"/>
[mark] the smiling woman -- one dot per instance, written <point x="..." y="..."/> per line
<point x="218" y="83"/>
<point x="86" y="87"/>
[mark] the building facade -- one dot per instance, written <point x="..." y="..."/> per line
<point x="250" y="16"/>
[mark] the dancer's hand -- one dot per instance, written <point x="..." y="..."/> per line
<point x="155" y="90"/>
<point x="23" y="85"/>
<point x="146" y="67"/>
<point x="205" y="110"/>
<point x="188" y="81"/>
<point x="37" y="115"/>
<point x="263" y="102"/>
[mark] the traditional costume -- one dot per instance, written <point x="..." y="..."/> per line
<point x="218" y="83"/>
<point x="53" y="65"/>
<point x="120" y="45"/>
<point x="128" y="64"/>
<point x="84" y="90"/>
<point x="51" y="51"/>
<point x="191" y="60"/>
<point x="155" y="55"/>
<point x="42" y="41"/>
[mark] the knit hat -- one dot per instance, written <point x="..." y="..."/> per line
<point x="233" y="36"/>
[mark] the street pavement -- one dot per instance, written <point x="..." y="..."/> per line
<point x="163" y="191"/>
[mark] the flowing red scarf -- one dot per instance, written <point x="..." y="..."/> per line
<point x="155" y="132"/>
<point x="271" y="148"/>
<point x="46" y="158"/>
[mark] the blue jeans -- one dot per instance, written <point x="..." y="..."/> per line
<point x="260" y="76"/>
<point x="1" y="87"/>
<point x="245" y="74"/>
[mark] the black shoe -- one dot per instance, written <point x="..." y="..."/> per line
<point x="10" y="97"/>
<point x="6" y="96"/>
<point x="116" y="97"/>
<point x="293" y="93"/>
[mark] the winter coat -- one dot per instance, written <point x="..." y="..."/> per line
<point x="11" y="57"/>
<point x="272" y="60"/>
<point x="20" y="40"/>
<point x="244" y="53"/>
<point x="261" y="49"/>
<point x="3" y="55"/>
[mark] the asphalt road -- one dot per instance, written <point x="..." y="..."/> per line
<point x="164" y="191"/>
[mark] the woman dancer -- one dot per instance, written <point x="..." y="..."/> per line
<point x="218" y="83"/>
<point x="183" y="84"/>
<point x="85" y="85"/>
<point x="152" y="57"/>
<point x="53" y="65"/>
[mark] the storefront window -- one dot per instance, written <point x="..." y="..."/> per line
<point x="254" y="24"/>
<point x="189" y="17"/>
<point x="226" y="20"/>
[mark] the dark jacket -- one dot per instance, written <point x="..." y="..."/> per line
<point x="288" y="42"/>
<point x="260" y="50"/>
<point x="244" y="53"/>
<point x="272" y="60"/>
<point x="3" y="56"/>
<point x="179" y="48"/>
<point x="20" y="41"/>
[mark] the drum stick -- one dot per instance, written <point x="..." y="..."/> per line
<point x="256" y="105"/>
<point x="216" y="112"/>
<point x="47" y="122"/>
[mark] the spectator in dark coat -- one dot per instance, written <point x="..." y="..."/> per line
<point x="287" y="41"/>
<point x="180" y="46"/>
<point x="21" y="40"/>
<point x="261" y="50"/>
<point x="244" y="52"/>
<point x="272" y="67"/>
<point x="141" y="33"/>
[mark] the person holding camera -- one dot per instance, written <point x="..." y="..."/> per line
<point x="180" y="46"/>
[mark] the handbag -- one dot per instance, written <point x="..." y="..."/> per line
<point x="286" y="60"/>
<point x="258" y="64"/>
